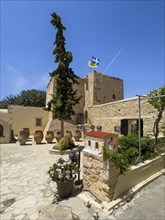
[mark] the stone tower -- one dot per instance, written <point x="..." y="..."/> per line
<point x="100" y="89"/>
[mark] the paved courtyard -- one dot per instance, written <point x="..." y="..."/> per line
<point x="25" y="191"/>
<point x="24" y="187"/>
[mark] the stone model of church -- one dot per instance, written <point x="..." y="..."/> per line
<point x="95" y="140"/>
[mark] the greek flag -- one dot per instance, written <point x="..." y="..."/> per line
<point x="94" y="62"/>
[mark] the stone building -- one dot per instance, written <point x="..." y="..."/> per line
<point x="104" y="108"/>
<point x="95" y="88"/>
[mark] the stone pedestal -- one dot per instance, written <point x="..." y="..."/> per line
<point x="99" y="177"/>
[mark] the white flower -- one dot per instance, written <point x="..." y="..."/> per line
<point x="69" y="162"/>
<point x="68" y="177"/>
<point x="74" y="175"/>
<point x="60" y="176"/>
<point x="58" y="170"/>
<point x="51" y="172"/>
<point x="60" y="164"/>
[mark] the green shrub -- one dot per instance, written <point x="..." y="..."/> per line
<point x="163" y="131"/>
<point x="161" y="144"/>
<point x="65" y="143"/>
<point x="118" y="159"/>
<point x="129" y="146"/>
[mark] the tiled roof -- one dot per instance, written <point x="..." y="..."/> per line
<point x="113" y="142"/>
<point x="98" y="134"/>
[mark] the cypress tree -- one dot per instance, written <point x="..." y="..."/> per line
<point x="64" y="97"/>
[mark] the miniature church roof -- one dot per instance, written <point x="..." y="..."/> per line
<point x="113" y="142"/>
<point x="98" y="134"/>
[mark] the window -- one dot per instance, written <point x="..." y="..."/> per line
<point x="89" y="143"/>
<point x="80" y="118"/>
<point x="38" y="121"/>
<point x="113" y="96"/>
<point x="96" y="145"/>
<point x="86" y="83"/>
<point x="86" y="116"/>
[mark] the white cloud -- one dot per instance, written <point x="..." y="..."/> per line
<point x="11" y="68"/>
<point x="20" y="81"/>
<point x="20" y="84"/>
<point x="42" y="82"/>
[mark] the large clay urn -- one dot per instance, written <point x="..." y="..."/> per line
<point x="22" y="138"/>
<point x="69" y="135"/>
<point x="38" y="136"/>
<point x="77" y="135"/>
<point x="49" y="136"/>
<point x="26" y="132"/>
<point x="58" y="136"/>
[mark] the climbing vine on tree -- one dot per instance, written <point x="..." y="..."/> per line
<point x="158" y="101"/>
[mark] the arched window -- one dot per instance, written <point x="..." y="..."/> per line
<point x="1" y="131"/>
<point x="113" y="96"/>
<point x="96" y="145"/>
<point x="89" y="143"/>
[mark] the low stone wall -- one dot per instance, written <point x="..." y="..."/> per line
<point x="105" y="181"/>
<point x="138" y="174"/>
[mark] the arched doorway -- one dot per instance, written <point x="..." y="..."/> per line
<point x="1" y="131"/>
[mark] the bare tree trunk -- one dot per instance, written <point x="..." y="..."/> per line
<point x="156" y="127"/>
<point x="62" y="128"/>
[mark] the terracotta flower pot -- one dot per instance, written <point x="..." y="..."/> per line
<point x="38" y="136"/>
<point x="49" y="136"/>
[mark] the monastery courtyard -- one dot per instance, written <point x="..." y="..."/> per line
<point x="25" y="193"/>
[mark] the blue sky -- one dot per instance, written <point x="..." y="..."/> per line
<point x="127" y="36"/>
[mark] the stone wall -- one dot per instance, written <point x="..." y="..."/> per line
<point x="110" y="115"/>
<point x="55" y="126"/>
<point x="78" y="108"/>
<point x="98" y="177"/>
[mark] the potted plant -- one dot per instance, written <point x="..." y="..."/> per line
<point x="63" y="173"/>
